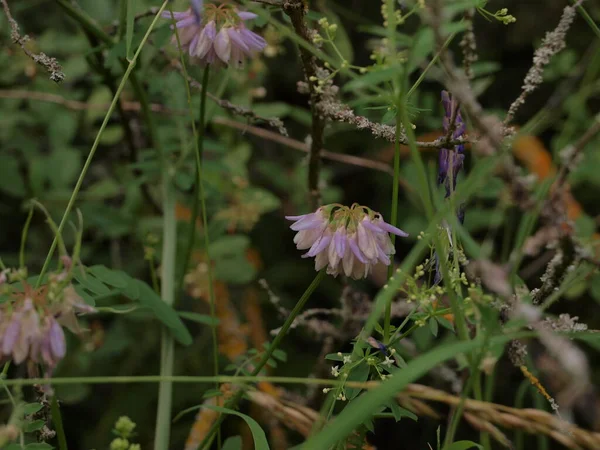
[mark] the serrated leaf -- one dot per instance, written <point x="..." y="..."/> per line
<point x="163" y="312"/>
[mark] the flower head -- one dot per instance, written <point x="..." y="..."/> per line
<point x="451" y="160"/>
<point x="216" y="34"/>
<point x="32" y="320"/>
<point x="345" y="240"/>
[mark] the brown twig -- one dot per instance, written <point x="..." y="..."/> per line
<point x="296" y="10"/>
<point x="50" y="64"/>
<point x="237" y="110"/>
<point x="294" y="144"/>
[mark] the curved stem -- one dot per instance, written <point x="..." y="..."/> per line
<point x="232" y="403"/>
<point x="96" y="143"/>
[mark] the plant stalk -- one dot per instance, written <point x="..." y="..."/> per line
<point x="232" y="403"/>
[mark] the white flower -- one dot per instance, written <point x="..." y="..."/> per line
<point x="388" y="361"/>
<point x="335" y="371"/>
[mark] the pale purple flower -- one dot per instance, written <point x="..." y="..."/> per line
<point x="345" y="240"/>
<point x="216" y="34"/>
<point x="451" y="159"/>
<point x="31" y="323"/>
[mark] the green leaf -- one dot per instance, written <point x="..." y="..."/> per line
<point x="422" y="47"/>
<point x="31" y="408"/>
<point x="366" y="405"/>
<point x="433" y="326"/>
<point x="200" y="318"/>
<point x="110" y="277"/>
<point x="400" y="412"/>
<point x="360" y="374"/>
<point x="464" y="445"/>
<point x="163" y="312"/>
<point x="334" y="357"/>
<point x="85" y="295"/>
<point x="91" y="283"/>
<point x="38" y="446"/>
<point x="232" y="443"/>
<point x="258" y="435"/>
<point x="373" y="78"/>
<point x="28" y="427"/>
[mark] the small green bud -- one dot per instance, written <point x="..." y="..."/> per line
<point x="119" y="444"/>
<point x="124" y="426"/>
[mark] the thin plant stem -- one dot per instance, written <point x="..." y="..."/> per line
<point x="24" y="237"/>
<point x="96" y="143"/>
<point x="58" y="424"/>
<point x="472" y="382"/>
<point x="232" y="403"/>
<point x="199" y="134"/>
<point x="167" y="290"/>
<point x="588" y="19"/>
<point x="393" y="222"/>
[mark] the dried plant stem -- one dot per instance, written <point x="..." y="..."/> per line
<point x="552" y="43"/>
<point x="294" y="144"/>
<point x="295" y="9"/>
<point x="50" y="64"/>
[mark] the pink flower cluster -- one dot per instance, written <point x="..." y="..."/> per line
<point x="31" y="323"/>
<point x="216" y="35"/>
<point x="345" y="240"/>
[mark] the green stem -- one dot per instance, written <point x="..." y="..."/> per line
<point x="165" y="390"/>
<point x="471" y="383"/>
<point x="394" y="222"/>
<point x="199" y="190"/>
<point x="86" y="22"/>
<point x="232" y="403"/>
<point x="461" y="325"/>
<point x="58" y="424"/>
<point x="588" y="19"/>
<point x="24" y="238"/>
<point x="96" y="143"/>
<point x="199" y="152"/>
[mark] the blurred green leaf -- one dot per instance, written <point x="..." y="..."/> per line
<point x="163" y="312"/>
